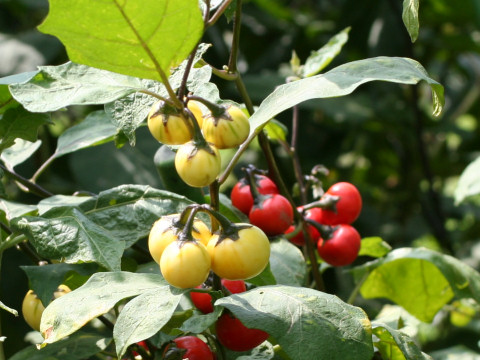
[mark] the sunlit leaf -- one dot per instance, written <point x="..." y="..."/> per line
<point x="469" y="182"/>
<point x="410" y="17"/>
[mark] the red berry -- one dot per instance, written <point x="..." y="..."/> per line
<point x="274" y="214"/>
<point x="348" y="206"/>
<point x="203" y="301"/>
<point x="237" y="337"/>
<point x="241" y="195"/>
<point x="342" y="248"/>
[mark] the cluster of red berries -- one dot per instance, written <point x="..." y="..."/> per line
<point x="329" y="224"/>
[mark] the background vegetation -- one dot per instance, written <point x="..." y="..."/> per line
<point x="383" y="138"/>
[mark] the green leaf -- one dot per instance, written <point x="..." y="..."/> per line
<point x="44" y="280"/>
<point x="198" y="322"/>
<point x="144" y="316"/>
<point x="264" y="278"/>
<point x="19" y="123"/>
<point x="410" y="17"/>
<point x="78" y="346"/>
<point x="95" y="130"/>
<point x="19" y="152"/>
<point x="6" y="99"/>
<point x="8" y="309"/>
<point x="129" y="211"/>
<point x="59" y="201"/>
<point x="55" y="87"/>
<point x="141" y="38"/>
<point x="422" y="281"/>
<point x="341" y="81"/>
<point x="320" y="59"/>
<point x="396" y="345"/>
<point x="305" y="321"/>
<point x="96" y="297"/>
<point x="66" y="233"/>
<point x="276" y="130"/>
<point x="287" y="263"/>
<point x="374" y="247"/>
<point x="14" y="209"/>
<point x="469" y="182"/>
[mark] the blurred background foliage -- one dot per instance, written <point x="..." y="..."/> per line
<point x="383" y="137"/>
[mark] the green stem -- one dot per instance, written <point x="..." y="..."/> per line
<point x="155" y="95"/>
<point x="8" y="243"/>
<point x="42" y="168"/>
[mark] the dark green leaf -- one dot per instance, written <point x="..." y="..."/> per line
<point x="100" y="293"/>
<point x="410" y="17"/>
<point x="287" y="263"/>
<point x="129" y="211"/>
<point x="144" y="316"/>
<point x="137" y="38"/>
<point x="19" y="123"/>
<point x="264" y="278"/>
<point x="305" y="322"/>
<point x="78" y="346"/>
<point x="66" y="233"/>
<point x="56" y="87"/>
<point x="318" y="60"/>
<point x="44" y="280"/>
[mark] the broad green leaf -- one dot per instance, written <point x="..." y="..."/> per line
<point x="264" y="278"/>
<point x="141" y="38"/>
<point x="8" y="309"/>
<point x="14" y="209"/>
<point x="198" y="323"/>
<point x="96" y="297"/>
<point x="44" y="280"/>
<point x="342" y="81"/>
<point x="374" y="247"/>
<point x="76" y="347"/>
<point x="66" y="233"/>
<point x="410" y="17"/>
<point x="58" y="201"/>
<point x="287" y="263"/>
<point x="276" y="130"/>
<point x="305" y="321"/>
<point x="318" y="60"/>
<point x="422" y="281"/>
<point x="469" y="182"/>
<point x="144" y="316"/>
<point x="95" y="130"/>
<point x="129" y="211"/>
<point x="227" y="209"/>
<point x="396" y="345"/>
<point x="19" y="152"/>
<point x="55" y="87"/>
<point x="6" y="99"/>
<point x="19" y="123"/>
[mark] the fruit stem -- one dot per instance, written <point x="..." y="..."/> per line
<point x="187" y="218"/>
<point x="215" y="109"/>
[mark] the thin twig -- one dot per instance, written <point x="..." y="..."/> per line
<point x="32" y="187"/>
<point x="219" y="13"/>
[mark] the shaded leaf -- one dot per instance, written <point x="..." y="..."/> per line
<point x="318" y="60"/>
<point x="198" y="323"/>
<point x="129" y="211"/>
<point x="14" y="209"/>
<point x="264" y="278"/>
<point x="65" y="233"/>
<point x="55" y="87"/>
<point x="44" y="280"/>
<point x="410" y="17"/>
<point x="128" y="39"/>
<point x="78" y="346"/>
<point x="144" y="316"/>
<point x="287" y="263"/>
<point x="97" y="296"/>
<point x="469" y="182"/>
<point x="305" y="322"/>
<point x="341" y="81"/>
<point x="422" y="281"/>
<point x="19" y="123"/>
<point x="396" y="345"/>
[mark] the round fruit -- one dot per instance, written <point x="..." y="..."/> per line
<point x="164" y="231"/>
<point x="274" y="214"/>
<point x="168" y="125"/>
<point x="228" y="130"/>
<point x="348" y="206"/>
<point x="342" y="248"/>
<point x="203" y="301"/>
<point x="196" y="166"/>
<point x="235" y="336"/>
<point x="241" y="194"/>
<point x="195" y="348"/>
<point x="239" y="256"/>
<point x="185" y="264"/>
<point x="32" y="307"/>
<point x="299" y="239"/>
